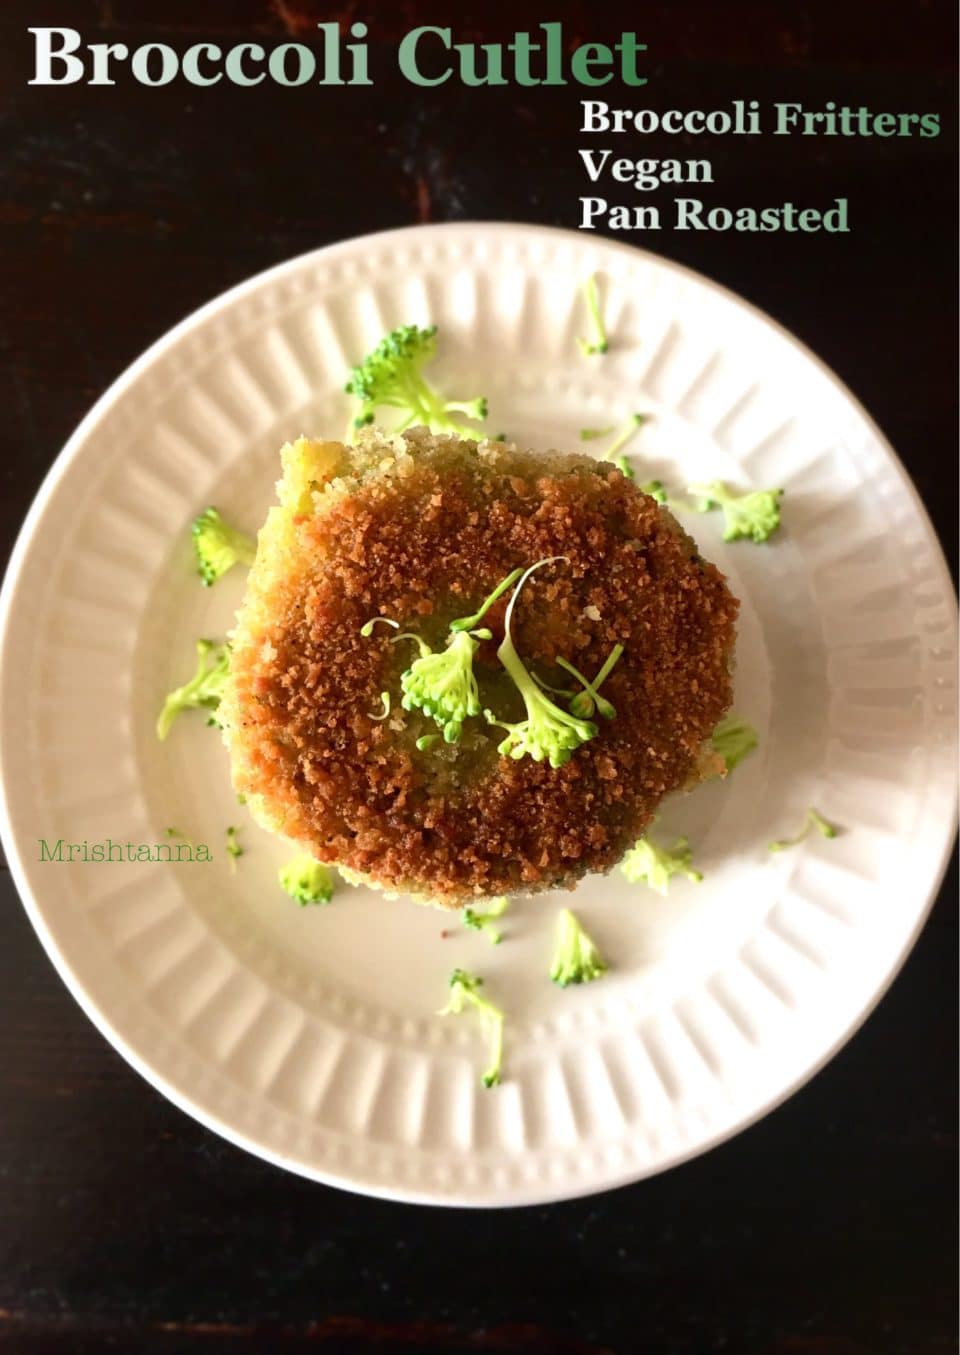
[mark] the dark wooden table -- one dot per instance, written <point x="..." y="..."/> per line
<point x="828" y="1228"/>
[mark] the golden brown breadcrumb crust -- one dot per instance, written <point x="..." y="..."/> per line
<point x="423" y="548"/>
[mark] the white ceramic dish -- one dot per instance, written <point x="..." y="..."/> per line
<point x="308" y="1035"/>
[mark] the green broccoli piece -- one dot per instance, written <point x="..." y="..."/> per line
<point x="306" y="880"/>
<point x="812" y="820"/>
<point x="584" y="702"/>
<point x="485" y="921"/>
<point x="464" y="993"/>
<point x="599" y="343"/>
<point x="234" y="850"/>
<point x="204" y="689"/>
<point x="391" y="375"/>
<point x="548" y="731"/>
<point x="754" y="516"/>
<point x="575" y="957"/>
<point x="646" y="863"/>
<point x="627" y="431"/>
<point x="623" y="466"/>
<point x="443" y="684"/>
<point x="471" y="622"/>
<point x="218" y="546"/>
<point x="655" y="489"/>
<point x="734" y="740"/>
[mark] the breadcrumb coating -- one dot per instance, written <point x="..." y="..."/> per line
<point x="420" y="528"/>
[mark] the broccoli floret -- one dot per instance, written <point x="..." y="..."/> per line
<point x="599" y="342"/>
<point x="464" y="993"/>
<point x="584" y="702"/>
<point x="391" y="376"/>
<point x="443" y="684"/>
<point x="623" y="466"/>
<point x="219" y="546"/>
<point x="485" y="921"/>
<point x="306" y="880"/>
<point x="234" y="850"/>
<point x="548" y="731"/>
<point x="575" y="957"/>
<point x="204" y="689"/>
<point x="646" y="863"/>
<point x="734" y="740"/>
<point x="754" y="516"/>
<point x="655" y="489"/>
<point x="813" y="820"/>
<point x="627" y="431"/>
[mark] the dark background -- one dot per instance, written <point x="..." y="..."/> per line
<point x="828" y="1228"/>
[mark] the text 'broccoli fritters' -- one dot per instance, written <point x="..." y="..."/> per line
<point x="419" y="529"/>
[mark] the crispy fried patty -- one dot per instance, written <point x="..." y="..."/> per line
<point x="420" y="529"/>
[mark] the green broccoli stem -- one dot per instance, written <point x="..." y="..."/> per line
<point x="491" y="1075"/>
<point x="626" y="433"/>
<point x="591" y="690"/>
<point x="812" y="820"/>
<point x="599" y="343"/>
<point x="429" y="408"/>
<point x="471" y="622"/>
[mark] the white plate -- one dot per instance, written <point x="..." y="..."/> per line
<point x="308" y="1035"/>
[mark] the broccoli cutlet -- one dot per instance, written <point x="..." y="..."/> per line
<point x="417" y="594"/>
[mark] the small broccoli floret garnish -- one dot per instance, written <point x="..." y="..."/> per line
<point x="623" y="466"/>
<point x="234" y="850"/>
<point x="204" y="689"/>
<point x="471" y="622"/>
<point x="219" y="546"/>
<point x="485" y="921"/>
<point x="465" y="993"/>
<point x="646" y="863"/>
<point x="734" y="739"/>
<point x="627" y="431"/>
<point x="306" y="880"/>
<point x="655" y="489"/>
<point x="443" y="684"/>
<point x="575" y="957"/>
<point x="391" y="375"/>
<point x="548" y="731"/>
<point x="813" y="820"/>
<point x="599" y="343"/>
<point x="584" y="702"/>
<point x="589" y="434"/>
<point x="754" y="516"/>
